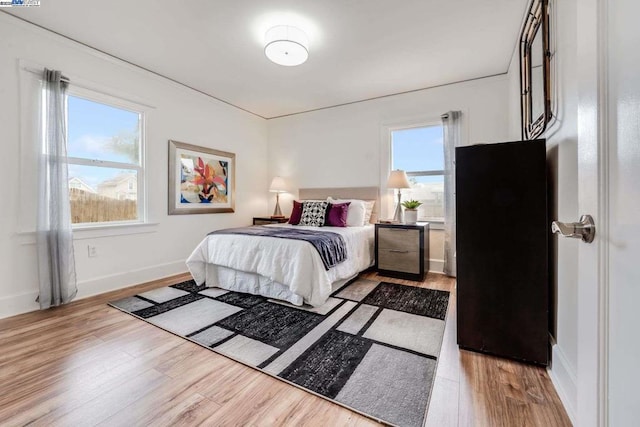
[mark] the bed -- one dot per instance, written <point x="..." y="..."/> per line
<point x="284" y="269"/>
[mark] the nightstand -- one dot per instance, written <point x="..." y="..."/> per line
<point x="263" y="220"/>
<point x="402" y="250"/>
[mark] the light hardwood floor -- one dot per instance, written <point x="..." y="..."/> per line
<point x="90" y="364"/>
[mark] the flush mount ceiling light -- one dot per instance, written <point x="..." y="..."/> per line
<point x="286" y="45"/>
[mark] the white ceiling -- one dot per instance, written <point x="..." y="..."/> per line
<point x="358" y="49"/>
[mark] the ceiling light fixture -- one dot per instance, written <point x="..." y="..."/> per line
<point x="286" y="45"/>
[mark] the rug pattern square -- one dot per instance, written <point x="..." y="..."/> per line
<point x="213" y="292"/>
<point x="163" y="294"/>
<point x="358" y="319"/>
<point x="273" y="324"/>
<point x="410" y="299"/>
<point x="323" y="309"/>
<point x="246" y="350"/>
<point x="390" y="384"/>
<point x="194" y="316"/>
<point x="327" y="365"/>
<point x="132" y="304"/>
<point x="296" y="350"/>
<point x="418" y="333"/>
<point x="373" y="347"/>
<point x="157" y="309"/>
<point x="210" y="336"/>
<point x="357" y="290"/>
<point x="189" y="286"/>
<point x="241" y="300"/>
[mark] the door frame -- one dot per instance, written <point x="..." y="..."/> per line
<point x="593" y="178"/>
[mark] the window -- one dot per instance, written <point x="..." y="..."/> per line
<point x="104" y="148"/>
<point x="419" y="151"/>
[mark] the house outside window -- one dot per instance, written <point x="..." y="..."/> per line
<point x="419" y="151"/>
<point x="105" y="143"/>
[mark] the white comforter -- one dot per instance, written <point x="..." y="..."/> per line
<point x="293" y="263"/>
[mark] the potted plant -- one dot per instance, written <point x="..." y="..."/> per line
<point x="411" y="211"/>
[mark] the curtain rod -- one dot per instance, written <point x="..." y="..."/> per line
<point x="96" y="88"/>
<point x="39" y="73"/>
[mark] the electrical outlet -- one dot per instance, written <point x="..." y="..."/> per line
<point x="92" y="251"/>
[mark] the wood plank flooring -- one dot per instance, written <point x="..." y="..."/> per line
<point x="88" y="364"/>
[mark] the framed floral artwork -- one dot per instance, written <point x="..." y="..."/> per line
<point x="201" y="180"/>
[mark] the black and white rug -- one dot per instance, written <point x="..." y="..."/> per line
<point x="373" y="347"/>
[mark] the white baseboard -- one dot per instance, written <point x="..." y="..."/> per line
<point x="111" y="282"/>
<point x="436" y="266"/>
<point x="24" y="303"/>
<point x="18" y="304"/>
<point x="563" y="377"/>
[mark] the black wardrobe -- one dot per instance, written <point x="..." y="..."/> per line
<point x="502" y="250"/>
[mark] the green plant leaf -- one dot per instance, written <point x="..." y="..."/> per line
<point x="411" y="204"/>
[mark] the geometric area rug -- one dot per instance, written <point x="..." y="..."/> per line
<point x="373" y="347"/>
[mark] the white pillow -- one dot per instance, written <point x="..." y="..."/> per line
<point x="368" y="204"/>
<point x="356" y="213"/>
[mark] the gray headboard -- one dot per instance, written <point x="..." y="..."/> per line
<point x="363" y="193"/>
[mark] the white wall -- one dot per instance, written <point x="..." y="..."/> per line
<point x="341" y="146"/>
<point x="178" y="113"/>
<point x="562" y="161"/>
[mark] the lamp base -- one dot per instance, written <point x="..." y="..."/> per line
<point x="397" y="216"/>
<point x="277" y="213"/>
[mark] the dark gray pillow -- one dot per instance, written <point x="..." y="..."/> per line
<point x="314" y="213"/>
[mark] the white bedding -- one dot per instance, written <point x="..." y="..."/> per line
<point x="281" y="264"/>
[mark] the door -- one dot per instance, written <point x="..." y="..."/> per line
<point x="609" y="188"/>
<point x="624" y="212"/>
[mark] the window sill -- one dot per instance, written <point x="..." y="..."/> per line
<point x="108" y="230"/>
<point x="96" y="231"/>
<point x="434" y="224"/>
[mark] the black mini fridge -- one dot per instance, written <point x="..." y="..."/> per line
<point x="502" y="235"/>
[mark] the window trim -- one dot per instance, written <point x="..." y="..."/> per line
<point x="425" y="173"/>
<point x="388" y="198"/>
<point x="140" y="167"/>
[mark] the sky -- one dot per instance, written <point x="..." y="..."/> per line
<point x="419" y="149"/>
<point x="90" y="126"/>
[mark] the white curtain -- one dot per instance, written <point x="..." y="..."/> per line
<point x="54" y="237"/>
<point x="451" y="124"/>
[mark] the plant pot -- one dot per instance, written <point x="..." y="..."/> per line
<point x="410" y="216"/>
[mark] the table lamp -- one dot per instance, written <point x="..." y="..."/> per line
<point x="278" y="185"/>
<point x="398" y="179"/>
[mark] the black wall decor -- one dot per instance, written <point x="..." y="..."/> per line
<point x="535" y="70"/>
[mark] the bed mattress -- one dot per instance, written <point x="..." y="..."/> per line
<point x="290" y="270"/>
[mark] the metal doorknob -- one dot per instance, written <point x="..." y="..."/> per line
<point x="585" y="229"/>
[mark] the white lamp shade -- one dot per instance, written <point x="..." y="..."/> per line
<point x="398" y="179"/>
<point x="286" y="45"/>
<point x="278" y="185"/>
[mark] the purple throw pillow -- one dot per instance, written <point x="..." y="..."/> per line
<point x="296" y="213"/>
<point x="337" y="216"/>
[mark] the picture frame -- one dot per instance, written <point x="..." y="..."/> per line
<point x="201" y="179"/>
<point x="535" y="71"/>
